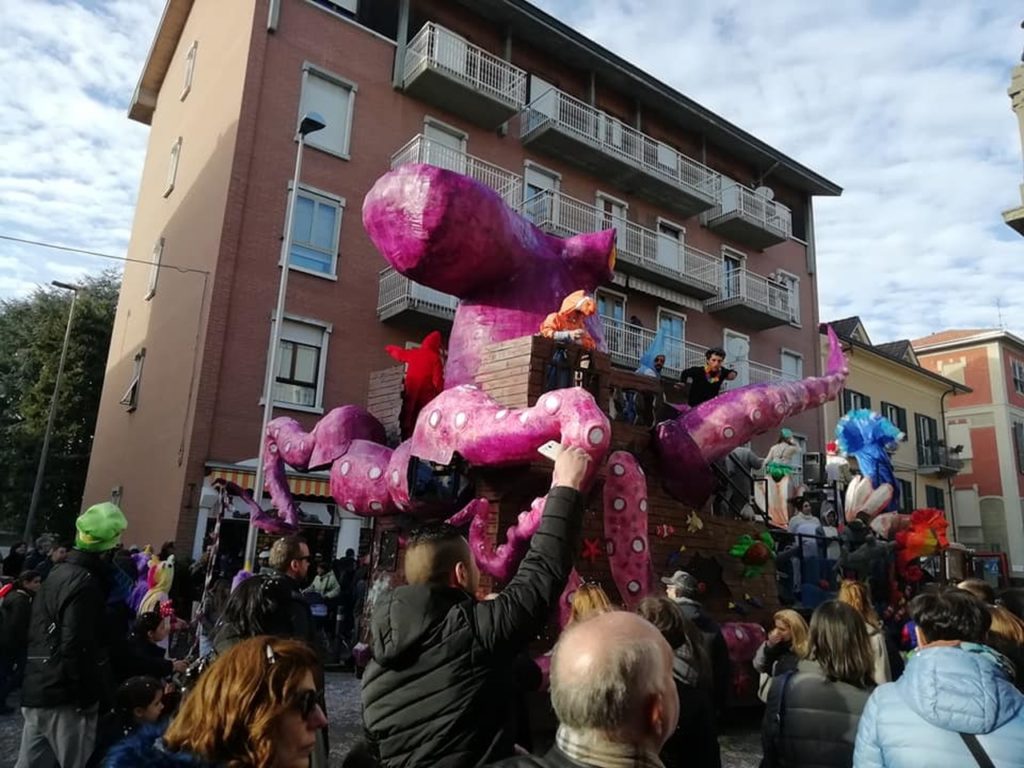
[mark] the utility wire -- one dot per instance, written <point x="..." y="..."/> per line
<point x="69" y="249"/>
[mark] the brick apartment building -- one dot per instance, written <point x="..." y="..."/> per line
<point x="989" y="423"/>
<point x="716" y="236"/>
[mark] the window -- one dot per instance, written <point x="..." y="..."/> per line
<point x="190" y="68"/>
<point x="316" y="228"/>
<point x="445" y="146"/>
<point x="543" y="97"/>
<point x="1018" y="444"/>
<point x="1017" y="367"/>
<point x="896" y="415"/>
<point x="853" y="401"/>
<point x="539" y="191"/>
<point x="906" y="489"/>
<point x="669" y="252"/>
<point x="346" y="7"/>
<point x="792" y="284"/>
<point x="154" y="271"/>
<point x="300" y="364"/>
<point x="172" y="167"/>
<point x="732" y="275"/>
<point x="927" y="441"/>
<point x="334" y="99"/>
<point x="934" y="498"/>
<point x="792" y="365"/>
<point x="674" y="326"/>
<point x="130" y="401"/>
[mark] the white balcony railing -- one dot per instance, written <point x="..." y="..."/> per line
<point x="740" y="286"/>
<point x="635" y="244"/>
<point x="627" y="343"/>
<point x="768" y="214"/>
<point x="612" y="136"/>
<point x="441" y="49"/>
<point x="758" y="373"/>
<point x="423" y="150"/>
<point x="397" y="292"/>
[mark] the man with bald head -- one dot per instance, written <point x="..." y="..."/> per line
<point x="613" y="693"/>
<point x="440" y="688"/>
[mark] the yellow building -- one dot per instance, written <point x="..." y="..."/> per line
<point x="888" y="379"/>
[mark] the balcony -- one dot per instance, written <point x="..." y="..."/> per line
<point x="641" y="251"/>
<point x="448" y="71"/>
<point x="563" y="126"/>
<point x="423" y="150"/>
<point x="937" y="460"/>
<point x="749" y="218"/>
<point x="398" y="294"/>
<point x="759" y="373"/>
<point x="752" y="300"/>
<point x="627" y="343"/>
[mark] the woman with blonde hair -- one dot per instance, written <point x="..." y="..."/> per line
<point x="1006" y="635"/>
<point x="855" y="594"/>
<point x="255" y="707"/>
<point x="589" y="600"/>
<point x="786" y="645"/>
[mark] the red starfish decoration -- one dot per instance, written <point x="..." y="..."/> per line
<point x="591" y="550"/>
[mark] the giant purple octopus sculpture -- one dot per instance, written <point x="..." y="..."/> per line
<point x="451" y="233"/>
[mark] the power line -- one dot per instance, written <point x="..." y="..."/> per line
<point x="69" y="249"/>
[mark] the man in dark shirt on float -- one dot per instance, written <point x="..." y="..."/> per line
<point x="700" y="384"/>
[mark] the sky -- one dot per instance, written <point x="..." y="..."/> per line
<point x="903" y="104"/>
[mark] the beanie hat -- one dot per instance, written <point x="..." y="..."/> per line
<point x="100" y="527"/>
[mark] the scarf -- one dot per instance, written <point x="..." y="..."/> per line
<point x="712" y="377"/>
<point x="593" y="749"/>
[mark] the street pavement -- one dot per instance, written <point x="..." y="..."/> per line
<point x="741" y="746"/>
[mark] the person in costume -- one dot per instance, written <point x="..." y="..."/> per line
<point x="701" y="383"/>
<point x="781" y="461"/>
<point x="568" y="323"/>
<point x="424" y="378"/>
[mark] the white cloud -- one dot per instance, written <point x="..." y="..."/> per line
<point x="70" y="159"/>
<point x="904" y="105"/>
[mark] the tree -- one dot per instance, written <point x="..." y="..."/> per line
<point x="31" y="337"/>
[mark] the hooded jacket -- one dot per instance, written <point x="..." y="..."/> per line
<point x="144" y="748"/>
<point x="695" y="742"/>
<point x="576" y="308"/>
<point x="438" y="691"/>
<point x="944" y="691"/>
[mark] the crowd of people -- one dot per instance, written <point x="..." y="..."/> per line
<point x="450" y="674"/>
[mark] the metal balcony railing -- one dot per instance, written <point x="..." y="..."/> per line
<point x="938" y="457"/>
<point x="439" y="48"/>
<point x="759" y="373"/>
<point x="740" y="286"/>
<point x="613" y="137"/>
<point x="564" y="215"/>
<point x="397" y="293"/>
<point x="737" y="199"/>
<point x="423" y="150"/>
<point x="627" y="343"/>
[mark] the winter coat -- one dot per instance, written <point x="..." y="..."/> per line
<point x="15" y="615"/>
<point x="327" y="585"/>
<point x="69" y="665"/>
<point x="818" y="720"/>
<point x="141" y="657"/>
<point x="717" y="650"/>
<point x="694" y="743"/>
<point x="145" y="749"/>
<point x="944" y="691"/>
<point x="775" y="659"/>
<point x="880" y="652"/>
<point x="438" y="690"/>
<point x="293" y="618"/>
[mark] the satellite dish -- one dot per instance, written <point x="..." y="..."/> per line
<point x="765" y="192"/>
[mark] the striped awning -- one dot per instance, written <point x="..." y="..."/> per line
<point x="300" y="485"/>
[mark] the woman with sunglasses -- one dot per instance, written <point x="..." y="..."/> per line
<point x="255" y="707"/>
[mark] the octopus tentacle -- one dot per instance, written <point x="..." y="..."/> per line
<point x="690" y="444"/>
<point x="625" y="527"/>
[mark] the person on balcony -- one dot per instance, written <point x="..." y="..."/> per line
<point x="424" y="378"/>
<point x="569" y="322"/>
<point x="702" y="383"/>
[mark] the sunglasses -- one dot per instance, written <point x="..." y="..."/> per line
<point x="305" y="702"/>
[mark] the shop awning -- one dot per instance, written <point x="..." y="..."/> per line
<point x="300" y="485"/>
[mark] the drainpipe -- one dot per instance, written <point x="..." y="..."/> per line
<point x="503" y="128"/>
<point x="273" y="15"/>
<point x="949" y="480"/>
<point x="593" y="88"/>
<point x="403" y="43"/>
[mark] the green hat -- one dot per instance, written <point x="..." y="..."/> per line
<point x="787" y="432"/>
<point x="100" y="527"/>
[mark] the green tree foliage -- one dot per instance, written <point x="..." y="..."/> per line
<point x="31" y="336"/>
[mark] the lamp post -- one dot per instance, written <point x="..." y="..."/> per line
<point x="33" y="505"/>
<point x="311" y="122"/>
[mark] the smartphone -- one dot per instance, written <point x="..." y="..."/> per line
<point x="550" y="449"/>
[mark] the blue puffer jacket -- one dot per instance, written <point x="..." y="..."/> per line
<point x="144" y="749"/>
<point x="943" y="692"/>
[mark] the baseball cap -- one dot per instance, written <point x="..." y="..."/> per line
<point x="684" y="582"/>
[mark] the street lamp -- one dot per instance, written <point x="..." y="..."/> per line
<point x="310" y="123"/>
<point x="41" y="469"/>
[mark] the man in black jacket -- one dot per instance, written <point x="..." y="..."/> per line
<point x="439" y="689"/>
<point x="15" y="613"/>
<point x="68" y="665"/>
